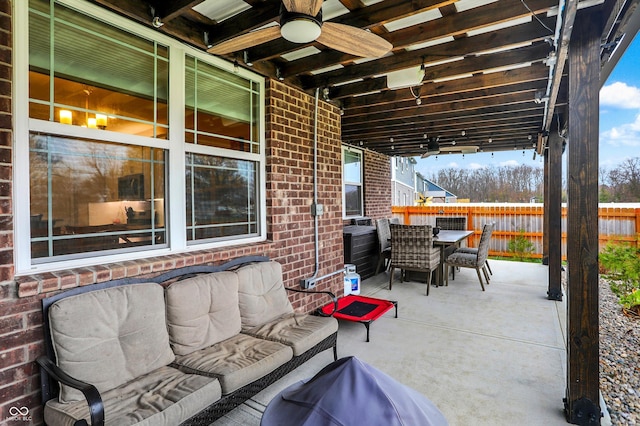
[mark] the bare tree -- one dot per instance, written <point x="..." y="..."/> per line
<point x="491" y="184"/>
<point x="622" y="184"/>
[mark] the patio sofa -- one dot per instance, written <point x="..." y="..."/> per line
<point x="181" y="348"/>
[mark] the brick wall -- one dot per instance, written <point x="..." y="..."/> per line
<point x="290" y="187"/>
<point x="377" y="185"/>
<point x="289" y="142"/>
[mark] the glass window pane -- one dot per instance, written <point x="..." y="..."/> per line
<point x="352" y="166"/>
<point x="91" y="196"/>
<point x="221" y="108"/>
<point x="222" y="197"/>
<point x="93" y="88"/>
<point x="353" y="200"/>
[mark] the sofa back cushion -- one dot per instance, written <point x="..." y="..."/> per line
<point x="263" y="297"/>
<point x="111" y="336"/>
<point x="202" y="311"/>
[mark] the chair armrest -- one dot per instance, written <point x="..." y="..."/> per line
<point x="333" y="298"/>
<point x="91" y="394"/>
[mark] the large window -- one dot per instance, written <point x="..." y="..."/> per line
<point x="352" y="170"/>
<point x="127" y="127"/>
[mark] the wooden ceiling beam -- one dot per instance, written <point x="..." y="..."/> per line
<point x="484" y="134"/>
<point x="531" y="32"/>
<point x="168" y="11"/>
<point x="470" y="65"/>
<point x="515" y="103"/>
<point x="489" y="95"/>
<point x="366" y="18"/>
<point x="452" y="25"/>
<point x="472" y="19"/>
<point x="434" y="124"/>
<point x="536" y="72"/>
<point x="433" y="128"/>
<point x="260" y="14"/>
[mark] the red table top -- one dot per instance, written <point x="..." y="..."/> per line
<point x="382" y="306"/>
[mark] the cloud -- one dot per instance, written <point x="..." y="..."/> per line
<point x="476" y="166"/>
<point x="625" y="135"/>
<point x="510" y="163"/>
<point x="453" y="165"/>
<point x="620" y="95"/>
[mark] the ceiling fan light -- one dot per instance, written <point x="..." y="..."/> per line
<point x="300" y="29"/>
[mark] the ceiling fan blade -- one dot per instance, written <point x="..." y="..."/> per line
<point x="307" y="7"/>
<point x="353" y="41"/>
<point x="244" y="41"/>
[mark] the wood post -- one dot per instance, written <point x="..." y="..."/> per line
<point x="545" y="220"/>
<point x="554" y="216"/>
<point x="582" y="395"/>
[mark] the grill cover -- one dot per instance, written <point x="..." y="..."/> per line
<point x="351" y="392"/>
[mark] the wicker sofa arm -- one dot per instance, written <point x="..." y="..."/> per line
<point x="333" y="297"/>
<point x="91" y="394"/>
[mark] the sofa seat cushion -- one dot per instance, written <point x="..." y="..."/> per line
<point x="263" y="297"/>
<point x="165" y="396"/>
<point x="300" y="331"/>
<point x="202" y="311"/>
<point x="237" y="361"/>
<point x="111" y="336"/>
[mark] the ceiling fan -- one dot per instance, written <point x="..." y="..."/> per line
<point x="301" y="22"/>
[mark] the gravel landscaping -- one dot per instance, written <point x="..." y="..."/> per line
<point x="619" y="360"/>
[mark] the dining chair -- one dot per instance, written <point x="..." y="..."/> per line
<point x="412" y="250"/>
<point x="474" y="250"/>
<point x="452" y="224"/>
<point x="384" y="243"/>
<point x="476" y="261"/>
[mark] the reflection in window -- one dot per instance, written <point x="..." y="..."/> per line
<point x="78" y="83"/>
<point x="222" y="197"/>
<point x="221" y="109"/>
<point x="352" y="182"/>
<point x="90" y="196"/>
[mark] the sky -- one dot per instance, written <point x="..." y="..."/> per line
<point x="619" y="126"/>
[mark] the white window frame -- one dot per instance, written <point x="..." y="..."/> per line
<point x="344" y="182"/>
<point x="175" y="191"/>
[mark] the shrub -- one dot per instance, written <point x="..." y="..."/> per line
<point x="621" y="263"/>
<point x="520" y="246"/>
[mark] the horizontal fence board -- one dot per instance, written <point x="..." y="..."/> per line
<point x="616" y="224"/>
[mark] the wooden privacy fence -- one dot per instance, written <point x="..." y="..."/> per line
<point x="617" y="223"/>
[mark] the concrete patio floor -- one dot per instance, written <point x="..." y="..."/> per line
<point x="484" y="358"/>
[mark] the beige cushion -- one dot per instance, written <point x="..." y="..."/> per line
<point x="165" y="396"/>
<point x="202" y="311"/>
<point x="300" y="331"/>
<point x="109" y="337"/>
<point x="237" y="361"/>
<point x="263" y="297"/>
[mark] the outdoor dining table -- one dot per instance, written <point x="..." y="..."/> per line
<point x="444" y="239"/>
